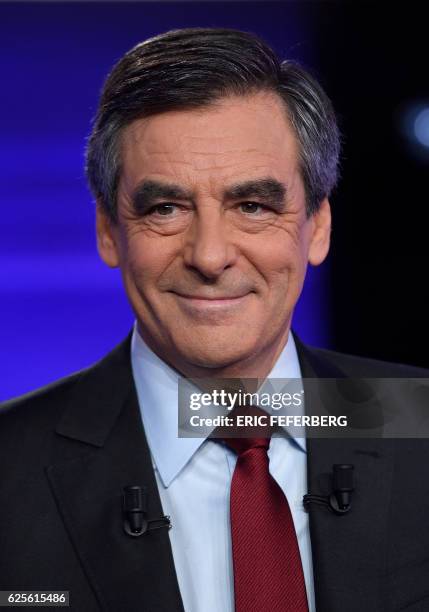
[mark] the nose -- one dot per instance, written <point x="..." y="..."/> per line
<point x="208" y="248"/>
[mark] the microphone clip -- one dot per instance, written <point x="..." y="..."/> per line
<point x="134" y="512"/>
<point x="339" y="501"/>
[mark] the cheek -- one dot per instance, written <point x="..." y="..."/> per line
<point x="137" y="263"/>
<point x="145" y="264"/>
<point x="142" y="270"/>
<point x="281" y="264"/>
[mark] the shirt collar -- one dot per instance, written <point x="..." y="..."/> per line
<point x="157" y="391"/>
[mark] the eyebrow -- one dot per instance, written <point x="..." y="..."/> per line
<point x="268" y="189"/>
<point x="149" y="191"/>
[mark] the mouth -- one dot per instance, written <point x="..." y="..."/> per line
<point x="202" y="303"/>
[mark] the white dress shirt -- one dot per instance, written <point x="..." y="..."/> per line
<point x="194" y="477"/>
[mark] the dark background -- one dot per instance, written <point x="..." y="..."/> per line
<point x="61" y="309"/>
<point x="376" y="72"/>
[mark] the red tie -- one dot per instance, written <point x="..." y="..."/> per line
<point x="268" y="574"/>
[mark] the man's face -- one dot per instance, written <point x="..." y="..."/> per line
<point x="212" y="237"/>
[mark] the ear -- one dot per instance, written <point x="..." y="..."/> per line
<point x="320" y="240"/>
<point x="106" y="238"/>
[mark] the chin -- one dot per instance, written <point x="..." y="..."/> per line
<point x="213" y="351"/>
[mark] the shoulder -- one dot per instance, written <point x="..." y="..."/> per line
<point x="37" y="409"/>
<point x="40" y="408"/>
<point x="359" y="366"/>
<point x="325" y="363"/>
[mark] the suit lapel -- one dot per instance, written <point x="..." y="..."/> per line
<point x="347" y="550"/>
<point x="100" y="448"/>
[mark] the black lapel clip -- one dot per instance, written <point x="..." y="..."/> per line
<point x="340" y="500"/>
<point x="134" y="512"/>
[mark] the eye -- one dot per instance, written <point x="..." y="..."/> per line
<point x="165" y="209"/>
<point x="252" y="207"/>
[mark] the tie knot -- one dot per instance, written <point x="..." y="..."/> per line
<point x="241" y="445"/>
<point x="253" y="434"/>
<point x="248" y="427"/>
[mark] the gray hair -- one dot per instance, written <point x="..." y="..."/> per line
<point x="193" y="68"/>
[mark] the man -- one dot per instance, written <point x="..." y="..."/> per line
<point x="211" y="164"/>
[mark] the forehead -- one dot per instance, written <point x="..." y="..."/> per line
<point x="236" y="136"/>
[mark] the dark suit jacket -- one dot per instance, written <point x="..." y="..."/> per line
<point x="67" y="451"/>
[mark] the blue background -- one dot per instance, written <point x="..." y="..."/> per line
<point x="61" y="309"/>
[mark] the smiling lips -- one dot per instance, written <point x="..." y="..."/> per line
<point x="212" y="303"/>
<point x="211" y="298"/>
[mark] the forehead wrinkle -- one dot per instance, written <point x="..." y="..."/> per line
<point x="222" y="152"/>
